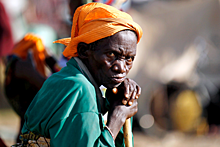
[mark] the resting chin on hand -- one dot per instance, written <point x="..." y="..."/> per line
<point x="123" y="104"/>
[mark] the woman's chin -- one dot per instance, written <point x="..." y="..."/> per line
<point x="111" y="86"/>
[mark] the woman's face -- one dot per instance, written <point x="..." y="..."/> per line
<point x="112" y="58"/>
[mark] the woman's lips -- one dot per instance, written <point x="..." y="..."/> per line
<point x="117" y="79"/>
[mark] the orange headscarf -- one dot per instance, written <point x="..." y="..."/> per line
<point x="94" y="21"/>
<point x="34" y="43"/>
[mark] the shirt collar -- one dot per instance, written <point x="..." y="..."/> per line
<point x="86" y="72"/>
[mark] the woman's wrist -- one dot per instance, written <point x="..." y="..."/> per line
<point x="110" y="132"/>
<point x="115" y="121"/>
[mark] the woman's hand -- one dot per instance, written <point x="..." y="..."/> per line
<point x="118" y="114"/>
<point x="123" y="104"/>
<point x="128" y="91"/>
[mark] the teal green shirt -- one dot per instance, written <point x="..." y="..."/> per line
<point x="67" y="111"/>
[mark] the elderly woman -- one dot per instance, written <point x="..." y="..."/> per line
<point x="68" y="108"/>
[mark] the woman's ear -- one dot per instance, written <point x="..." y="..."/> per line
<point x="82" y="50"/>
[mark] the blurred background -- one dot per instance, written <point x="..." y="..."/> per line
<point x="177" y="65"/>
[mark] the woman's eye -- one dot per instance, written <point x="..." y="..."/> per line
<point x="130" y="59"/>
<point x="111" y="54"/>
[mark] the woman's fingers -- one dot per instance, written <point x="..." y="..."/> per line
<point x="131" y="91"/>
<point x="126" y="89"/>
<point x="138" y="92"/>
<point x="133" y="97"/>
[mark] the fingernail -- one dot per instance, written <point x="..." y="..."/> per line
<point x="136" y="96"/>
<point x="126" y="95"/>
<point x="124" y="102"/>
<point x="130" y="103"/>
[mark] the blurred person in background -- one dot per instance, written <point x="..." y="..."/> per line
<point x="31" y="60"/>
<point x="176" y="106"/>
<point x="26" y="72"/>
<point x="31" y="57"/>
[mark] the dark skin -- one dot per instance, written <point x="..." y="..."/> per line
<point x="133" y="91"/>
<point x="109" y="63"/>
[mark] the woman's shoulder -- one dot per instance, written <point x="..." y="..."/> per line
<point x="68" y="79"/>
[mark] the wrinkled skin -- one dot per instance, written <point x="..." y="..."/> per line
<point x="109" y="62"/>
<point x="112" y="59"/>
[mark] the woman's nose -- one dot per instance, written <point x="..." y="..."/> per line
<point x="119" y="66"/>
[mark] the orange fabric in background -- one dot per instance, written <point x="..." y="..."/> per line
<point x="34" y="43"/>
<point x="94" y="21"/>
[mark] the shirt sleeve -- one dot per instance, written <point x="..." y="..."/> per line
<point x="80" y="130"/>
